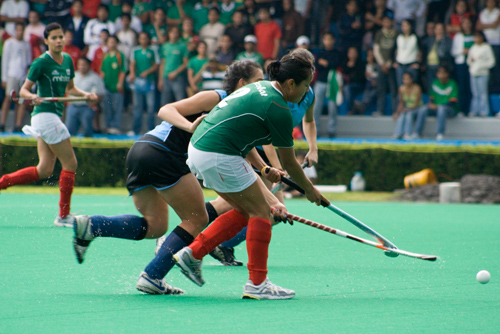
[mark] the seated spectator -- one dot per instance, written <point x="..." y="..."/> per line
<point x="462" y="41"/>
<point x="212" y="76"/>
<point x="93" y="30"/>
<point x="436" y="52"/>
<point x="126" y="36"/>
<point x="82" y="113"/>
<point x="353" y="73"/>
<point x="293" y="25"/>
<point x="144" y="62"/>
<point x="174" y="59"/>
<point x="113" y="73"/>
<point x="407" y="51"/>
<point x="196" y="66"/>
<point x="410" y="103"/>
<point x="250" y="52"/>
<point x="238" y="30"/>
<point x="16" y="59"/>
<point x="12" y="12"/>
<point x="443" y="103"/>
<point x="76" y="24"/>
<point x="351" y="27"/>
<point x="460" y="12"/>
<point x="135" y="23"/>
<point x="33" y="34"/>
<point x="489" y="23"/>
<point x="212" y="31"/>
<point x="268" y="34"/>
<point x="225" y="55"/>
<point x="227" y="9"/>
<point x="480" y="60"/>
<point x="74" y="51"/>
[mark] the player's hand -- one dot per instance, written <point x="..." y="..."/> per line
<point x="196" y="122"/>
<point x="92" y="97"/>
<point x="280" y="212"/>
<point x="316" y="197"/>
<point x="36" y="100"/>
<point x="311" y="158"/>
<point x="272" y="174"/>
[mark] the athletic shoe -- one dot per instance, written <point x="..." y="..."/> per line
<point x="225" y="255"/>
<point x="266" y="290"/>
<point x="190" y="266"/>
<point x="439" y="136"/>
<point x="159" y="243"/>
<point x="152" y="286"/>
<point x="83" y="236"/>
<point x="68" y="221"/>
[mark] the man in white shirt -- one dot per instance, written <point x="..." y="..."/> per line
<point x="212" y="31"/>
<point x="406" y="9"/>
<point x="92" y="32"/>
<point x="15" y="61"/>
<point x="12" y="12"/>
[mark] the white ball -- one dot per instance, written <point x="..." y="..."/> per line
<point x="483" y="276"/>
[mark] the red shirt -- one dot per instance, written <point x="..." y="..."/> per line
<point x="266" y="33"/>
<point x="74" y="52"/>
<point x="456" y="20"/>
<point x="90" y="8"/>
<point x="97" y="62"/>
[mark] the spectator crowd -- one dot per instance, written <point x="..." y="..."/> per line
<point x="431" y="57"/>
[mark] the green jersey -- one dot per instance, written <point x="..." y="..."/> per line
<point x="144" y="60"/>
<point x="254" y="115"/>
<point x="51" y="79"/>
<point x="255" y="56"/>
<point x="174" y="54"/>
<point x="444" y="93"/>
<point x="112" y="65"/>
<point x="196" y="64"/>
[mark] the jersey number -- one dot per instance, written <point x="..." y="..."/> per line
<point x="239" y="93"/>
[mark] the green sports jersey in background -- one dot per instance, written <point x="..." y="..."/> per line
<point x="112" y="65"/>
<point x="196" y="65"/>
<point x="144" y="60"/>
<point x="444" y="93"/>
<point x="51" y="79"/>
<point x="255" y="56"/>
<point x="254" y="115"/>
<point x="174" y="54"/>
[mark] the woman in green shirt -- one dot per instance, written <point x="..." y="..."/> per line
<point x="174" y="59"/>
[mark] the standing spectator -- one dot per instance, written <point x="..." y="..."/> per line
<point x="33" y="34"/>
<point x="238" y="30"/>
<point x="212" y="31"/>
<point x="407" y="51"/>
<point x="187" y="30"/>
<point x="174" y="59"/>
<point x="327" y="59"/>
<point x="200" y="14"/>
<point x="157" y="29"/>
<point x="250" y="12"/>
<point x="225" y="55"/>
<point x="370" y="91"/>
<point x="250" y="52"/>
<point x="438" y="9"/>
<point x="406" y="10"/>
<point x="293" y="25"/>
<point x="489" y="23"/>
<point x="374" y="18"/>
<point x="90" y="8"/>
<point x="99" y="53"/>
<point x="268" y="35"/>
<point x="144" y="64"/>
<point x="57" y="10"/>
<point x="135" y="23"/>
<point x="76" y="24"/>
<point x="127" y="37"/>
<point x="74" y="52"/>
<point x="196" y="66"/>
<point x="212" y="76"/>
<point x="443" y="103"/>
<point x="350" y="27"/>
<point x="480" y="60"/>
<point x="461" y="12"/>
<point x="16" y="58"/>
<point x="94" y="27"/>
<point x="115" y="10"/>
<point x="353" y="72"/>
<point x="461" y="44"/>
<point x="82" y="113"/>
<point x="12" y="12"/>
<point x="142" y="10"/>
<point x="436" y="52"/>
<point x="227" y="9"/>
<point x="179" y="12"/>
<point x="383" y="50"/>
<point x="410" y="103"/>
<point x="113" y="73"/>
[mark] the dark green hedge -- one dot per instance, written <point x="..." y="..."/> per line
<point x="102" y="162"/>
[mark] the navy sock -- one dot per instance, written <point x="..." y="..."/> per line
<point x="164" y="261"/>
<point x="236" y="240"/>
<point x="123" y="227"/>
<point x="212" y="213"/>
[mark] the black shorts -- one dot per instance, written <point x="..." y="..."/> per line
<point x="150" y="163"/>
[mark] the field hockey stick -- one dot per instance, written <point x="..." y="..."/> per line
<point x="278" y="186"/>
<point x="347" y="217"/>
<point x="361" y="240"/>
<point x="29" y="101"/>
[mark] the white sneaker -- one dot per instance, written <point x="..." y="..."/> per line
<point x="266" y="290"/>
<point x="439" y="136"/>
<point x="159" y="243"/>
<point x="190" y="266"/>
<point x="67" y="221"/>
<point x="152" y="286"/>
<point x="414" y="136"/>
<point x="83" y="236"/>
<point x="131" y="133"/>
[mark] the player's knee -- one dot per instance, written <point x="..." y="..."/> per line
<point x="156" y="229"/>
<point x="44" y="171"/>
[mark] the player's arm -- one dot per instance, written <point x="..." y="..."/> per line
<point x="272" y="156"/>
<point x="310" y="132"/>
<point x="175" y="113"/>
<point x="273" y="174"/>
<point x="71" y="89"/>
<point x="25" y="92"/>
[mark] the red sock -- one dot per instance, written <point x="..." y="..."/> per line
<point x="66" y="185"/>
<point x="225" y="227"/>
<point x="22" y="176"/>
<point x="258" y="239"/>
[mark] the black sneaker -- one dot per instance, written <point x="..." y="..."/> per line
<point x="18" y="129"/>
<point x="2" y="128"/>
<point x="225" y="255"/>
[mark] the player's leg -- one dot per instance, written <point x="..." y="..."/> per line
<point x="20" y="111"/>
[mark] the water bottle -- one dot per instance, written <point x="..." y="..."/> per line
<point x="358" y="182"/>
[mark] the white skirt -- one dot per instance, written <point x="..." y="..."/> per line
<point x="47" y="126"/>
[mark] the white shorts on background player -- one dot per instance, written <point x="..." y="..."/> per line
<point x="221" y="172"/>
<point x="47" y="126"/>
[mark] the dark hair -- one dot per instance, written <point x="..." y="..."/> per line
<point x="480" y="33"/>
<point x="102" y="6"/>
<point x="50" y="27"/>
<point x="85" y="59"/>
<point x="214" y="8"/>
<point x="19" y="24"/>
<point x="127" y="15"/>
<point x="296" y="65"/>
<point x="242" y="69"/>
<point x="329" y="33"/>
<point x="106" y="31"/>
<point x="145" y="33"/>
<point x="115" y="38"/>
<point x="80" y="1"/>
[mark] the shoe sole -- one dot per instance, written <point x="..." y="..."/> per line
<point x="249" y="296"/>
<point x="147" y="290"/>
<point x="63" y="224"/>
<point x="185" y="270"/>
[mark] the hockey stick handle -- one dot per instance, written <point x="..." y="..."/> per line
<point x="358" y="239"/>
